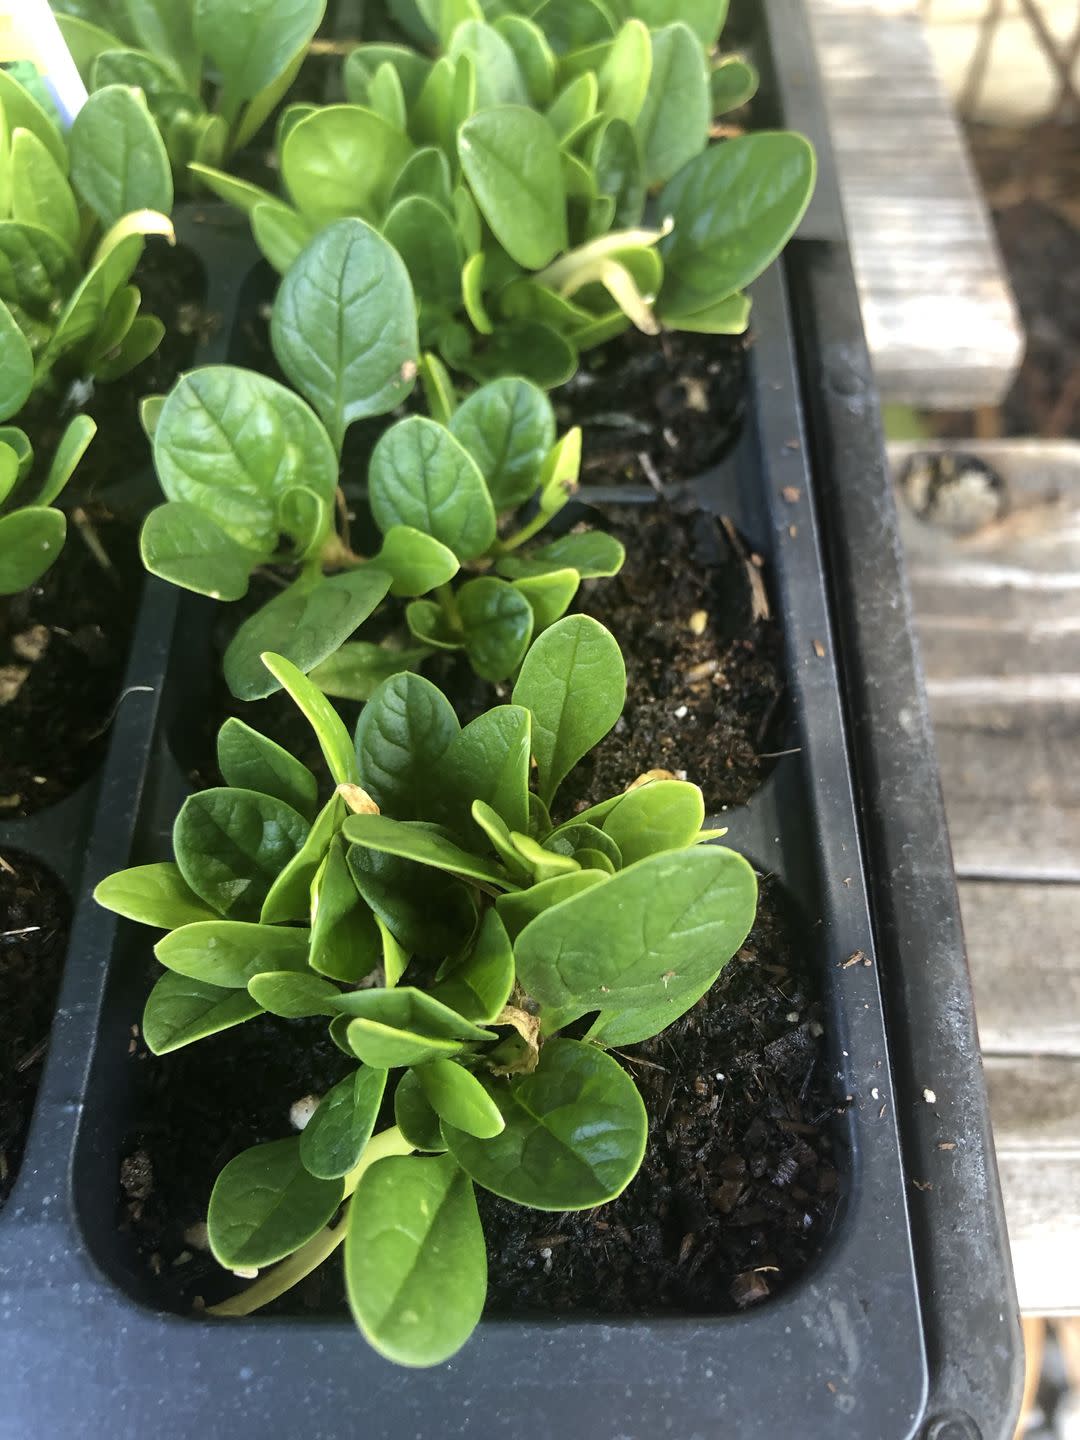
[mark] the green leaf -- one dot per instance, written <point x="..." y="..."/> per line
<point x="36" y="270"/>
<point x="674" y="120"/>
<point x="265" y="1204"/>
<point x="704" y="17"/>
<point x="72" y="446"/>
<point x="664" y="815"/>
<point x="527" y="348"/>
<point x="335" y="1137"/>
<point x="180" y="1011"/>
<point x="401" y="738"/>
<point x="548" y="596"/>
<point x="498" y="834"/>
<point x="118" y="159"/>
<point x="414" y="1117"/>
<point x="426" y="173"/>
<point x="289" y="897"/>
<point x="624" y="75"/>
<point x="412" y="840"/>
<point x="357" y="669"/>
<point x="732" y="83"/>
<point x="508" y="427"/>
<point x="16" y="366"/>
<point x="345" y="939"/>
<point x="241" y="193"/>
<point x="534" y="56"/>
<point x="40" y="193"/>
<point x="590" y="552"/>
<point x="573" y="24"/>
<point x="153" y="894"/>
<point x="329" y="728"/>
<point x="543" y="864"/>
<point x="729" y="316"/>
<point x="344" y="325"/>
<point x="573" y="681"/>
<point x="421" y="476"/>
<point x="573" y="109"/>
<point x="517" y="910"/>
<point x="138" y="69"/>
<point x="575" y="1132"/>
<point x="182" y="544"/>
<point x="477" y="983"/>
<point x="510" y="157"/>
<point x="236" y="444"/>
<point x="424" y="236"/>
<point x="414" y="561"/>
<point x="281" y="233"/>
<point x="250" y="761"/>
<point x="386" y="97"/>
<point x="231" y="844"/>
<point x="363" y="63"/>
<point x="293" y="996"/>
<point x="408" y="1008"/>
<point x="30" y="541"/>
<point x="252" y="46"/>
<point x="9" y="470"/>
<point x="499" y="80"/>
<point x="22" y="111"/>
<point x="415" y="1262"/>
<point x="228" y="953"/>
<point x="735" y="208"/>
<point x="459" y="1099"/>
<point x="87" y="308"/>
<point x="429" y="623"/>
<point x="576" y="837"/>
<point x="497" y="621"/>
<point x="308" y="621"/>
<point x="343" y="160"/>
<point x="429" y="912"/>
<point x="661" y="928"/>
<point x="165" y="28"/>
<point x="488" y="760"/>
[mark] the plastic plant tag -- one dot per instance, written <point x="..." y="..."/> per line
<point x="28" y="31"/>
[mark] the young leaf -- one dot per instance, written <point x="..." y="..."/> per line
<point x="665" y="815"/>
<point x="458" y="1098"/>
<point x="180" y="1011"/>
<point x="413" y="840"/>
<point x="414" y="1116"/>
<point x="281" y="233"/>
<point x="265" y="1205"/>
<point x="423" y="234"/>
<point x="230" y="846"/>
<point x="659" y="929"/>
<point x="543" y="864"/>
<point x="401" y="737"/>
<point x="508" y="427"/>
<point x="732" y="83"/>
<point x="549" y="595"/>
<point x="153" y="894"/>
<point x="429" y="912"/>
<point x="574" y="1134"/>
<point x="329" y="729"/>
<point x="674" y="119"/>
<point x="357" y="669"/>
<point x="343" y="160"/>
<point x="345" y="942"/>
<point x="624" y="75"/>
<point x="363" y="63"/>
<point x="30" y="540"/>
<point x="510" y="157"/>
<point x="118" y="159"/>
<point x="250" y="761"/>
<point x="497" y="621"/>
<point x="735" y="207"/>
<point x="16" y="366"/>
<point x="488" y="760"/>
<point x="534" y="56"/>
<point x="591" y="553"/>
<point x="406" y="1007"/>
<point x="573" y="109"/>
<point x="309" y="621"/>
<point x="571" y="25"/>
<point x="252" y="47"/>
<point x="235" y="443"/>
<point x="289" y="897"/>
<point x="21" y="110"/>
<point x="426" y="173"/>
<point x="334" y="1138"/>
<point x="228" y="953"/>
<point x="498" y="834"/>
<point x="415" y="1262"/>
<point x="573" y="681"/>
<point x="729" y="316"/>
<point x="421" y="476"/>
<point x="344" y="325"/>
<point x="528" y="348"/>
<point x="577" y="837"/>
<point x="183" y="544"/>
<point x="294" y="996"/>
<point x="477" y="983"/>
<point x="391" y="1047"/>
<point x="40" y="193"/>
<point x="415" y="562"/>
<point x="73" y="445"/>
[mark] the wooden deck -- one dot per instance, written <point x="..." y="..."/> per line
<point x="999" y="623"/>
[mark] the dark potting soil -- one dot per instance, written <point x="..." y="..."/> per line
<point x="704" y="663"/>
<point x="35" y="914"/>
<point x="63" y="647"/>
<point x="737" y="1191"/>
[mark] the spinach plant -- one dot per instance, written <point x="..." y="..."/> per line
<point x="450" y="931"/>
<point x="74" y="211"/>
<point x="212" y="71"/>
<point x="546" y="177"/>
<point x="250" y="471"/>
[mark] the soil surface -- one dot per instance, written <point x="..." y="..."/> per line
<point x="737" y="1191"/>
<point x="705" y="681"/>
<point x="63" y="648"/>
<point x="34" y="918"/>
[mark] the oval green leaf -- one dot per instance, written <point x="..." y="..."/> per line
<point x="265" y="1205"/>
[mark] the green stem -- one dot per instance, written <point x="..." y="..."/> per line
<point x="537" y="523"/>
<point x="320" y="1247"/>
<point x="448" y="601"/>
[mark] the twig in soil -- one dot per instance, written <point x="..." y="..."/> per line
<point x="6" y="867"/>
<point x="32" y="1056"/>
<point x="86" y="529"/>
<point x="759" y="599"/>
<point x="26" y="930"/>
<point x="131" y="690"/>
<point x="779" y="754"/>
<point x="651" y="473"/>
<point x="638" y="1060"/>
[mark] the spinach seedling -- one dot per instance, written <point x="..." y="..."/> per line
<point x="547" y="180"/>
<point x="74" y="211"/>
<point x="212" y="71"/>
<point x="449" y="930"/>
<point x="251" y="474"/>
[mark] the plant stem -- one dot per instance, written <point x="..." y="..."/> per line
<point x="539" y="520"/>
<point x="448" y="601"/>
<point x="320" y="1247"/>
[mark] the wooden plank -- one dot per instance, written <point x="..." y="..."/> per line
<point x="940" y="319"/>
<point x="1044" y="1231"/>
<point x="1025" y="965"/>
<point x="1035" y="1105"/>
